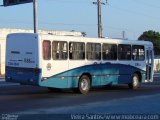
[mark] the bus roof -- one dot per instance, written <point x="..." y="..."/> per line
<point x="84" y="39"/>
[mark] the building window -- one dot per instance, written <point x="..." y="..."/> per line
<point x="109" y="51"/>
<point x="138" y="52"/>
<point x="93" y="51"/>
<point x="59" y="50"/>
<point x="76" y="51"/>
<point x="46" y="50"/>
<point x="124" y="52"/>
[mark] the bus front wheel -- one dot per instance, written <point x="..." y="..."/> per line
<point x="84" y="84"/>
<point x="135" y="82"/>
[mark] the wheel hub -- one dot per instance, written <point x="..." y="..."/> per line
<point x="84" y="84"/>
<point x="135" y="81"/>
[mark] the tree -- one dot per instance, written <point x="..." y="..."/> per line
<point x="153" y="37"/>
<point x="84" y="34"/>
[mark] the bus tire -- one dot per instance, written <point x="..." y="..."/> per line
<point x="84" y="84"/>
<point x="135" y="82"/>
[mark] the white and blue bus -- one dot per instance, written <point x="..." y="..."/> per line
<point x="77" y="62"/>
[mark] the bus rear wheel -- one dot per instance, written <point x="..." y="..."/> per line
<point x="84" y="84"/>
<point x="135" y="82"/>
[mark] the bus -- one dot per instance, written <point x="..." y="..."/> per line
<point x="79" y="63"/>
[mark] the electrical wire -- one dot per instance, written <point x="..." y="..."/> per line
<point x="135" y="12"/>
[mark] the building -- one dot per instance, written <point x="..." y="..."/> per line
<point x="4" y="32"/>
<point x="157" y="64"/>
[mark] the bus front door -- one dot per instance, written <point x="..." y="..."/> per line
<point x="149" y="65"/>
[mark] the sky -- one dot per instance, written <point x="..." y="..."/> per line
<point x="132" y="16"/>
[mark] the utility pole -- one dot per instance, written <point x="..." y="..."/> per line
<point x="35" y="11"/>
<point x="99" y="3"/>
<point x="99" y="19"/>
<point x="35" y="14"/>
<point x="123" y="34"/>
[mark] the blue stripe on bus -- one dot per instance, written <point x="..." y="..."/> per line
<point x="102" y="74"/>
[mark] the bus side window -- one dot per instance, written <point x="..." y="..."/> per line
<point x="93" y="51"/>
<point x="59" y="50"/>
<point x="109" y="51"/>
<point x="124" y="52"/>
<point x="138" y="52"/>
<point x="77" y="50"/>
<point x="46" y="50"/>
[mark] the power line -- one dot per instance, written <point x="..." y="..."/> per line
<point x="134" y="12"/>
<point x="146" y="4"/>
<point x="91" y="25"/>
<point x="66" y="24"/>
<point x="71" y="1"/>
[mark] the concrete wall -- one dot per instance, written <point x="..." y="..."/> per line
<point x="2" y="56"/>
<point x="157" y="65"/>
<point x="4" y="32"/>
